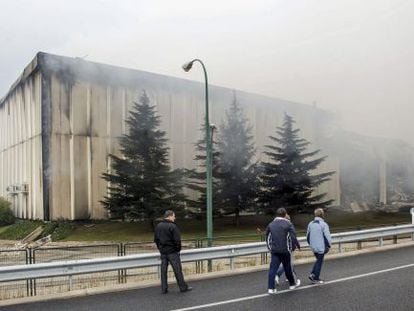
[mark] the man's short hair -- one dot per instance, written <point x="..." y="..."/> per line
<point x="168" y="213"/>
<point x="281" y="212"/>
<point x="319" y="212"/>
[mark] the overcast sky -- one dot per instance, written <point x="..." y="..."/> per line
<point x="351" y="57"/>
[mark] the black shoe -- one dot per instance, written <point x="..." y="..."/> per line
<point x="164" y="291"/>
<point x="315" y="280"/>
<point x="311" y="277"/>
<point x="189" y="288"/>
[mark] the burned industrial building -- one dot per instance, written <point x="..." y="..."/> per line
<point x="63" y="116"/>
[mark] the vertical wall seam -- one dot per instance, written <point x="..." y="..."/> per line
<point x="46" y="122"/>
<point x="71" y="155"/>
<point x="89" y="149"/>
<point x="108" y="133"/>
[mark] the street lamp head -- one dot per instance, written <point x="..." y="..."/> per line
<point x="188" y="66"/>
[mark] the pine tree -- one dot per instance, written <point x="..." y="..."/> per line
<point x="239" y="182"/>
<point x="197" y="177"/>
<point x="287" y="181"/>
<point x="141" y="184"/>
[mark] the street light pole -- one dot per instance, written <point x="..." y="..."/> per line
<point x="209" y="158"/>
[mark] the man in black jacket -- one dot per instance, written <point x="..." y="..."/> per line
<point x="168" y="239"/>
<point x="279" y="234"/>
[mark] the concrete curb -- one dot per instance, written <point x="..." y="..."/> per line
<point x="197" y="277"/>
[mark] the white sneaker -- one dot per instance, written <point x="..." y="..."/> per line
<point x="271" y="291"/>
<point x="277" y="280"/>
<point x="296" y="285"/>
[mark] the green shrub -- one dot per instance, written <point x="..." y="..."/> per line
<point x="62" y="230"/>
<point x="19" y="230"/>
<point x="6" y="214"/>
<point x="58" y="230"/>
<point x="49" y="228"/>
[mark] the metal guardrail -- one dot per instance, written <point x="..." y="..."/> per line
<point x="74" y="267"/>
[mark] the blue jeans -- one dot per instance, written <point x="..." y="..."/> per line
<point x="317" y="267"/>
<point x="278" y="258"/>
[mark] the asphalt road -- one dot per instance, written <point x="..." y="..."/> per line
<point x="376" y="281"/>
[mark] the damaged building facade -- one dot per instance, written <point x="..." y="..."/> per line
<point x="62" y="118"/>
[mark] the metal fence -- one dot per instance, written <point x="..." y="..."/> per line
<point x="143" y="247"/>
<point x="51" y="254"/>
<point x="11" y="257"/>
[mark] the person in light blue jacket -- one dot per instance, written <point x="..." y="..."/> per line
<point x="320" y="241"/>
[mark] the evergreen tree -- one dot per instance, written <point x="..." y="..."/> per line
<point x="141" y="184"/>
<point x="239" y="182"/>
<point x="197" y="177"/>
<point x="287" y="181"/>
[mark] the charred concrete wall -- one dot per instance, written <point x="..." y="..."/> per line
<point x="21" y="167"/>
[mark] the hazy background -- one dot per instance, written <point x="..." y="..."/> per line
<point x="351" y="57"/>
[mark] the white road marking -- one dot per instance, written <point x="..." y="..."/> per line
<point x="213" y="304"/>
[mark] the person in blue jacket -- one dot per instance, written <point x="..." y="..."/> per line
<point x="278" y="235"/>
<point x="293" y="245"/>
<point x="320" y="241"/>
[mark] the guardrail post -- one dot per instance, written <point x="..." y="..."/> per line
<point x="210" y="265"/>
<point x="263" y="256"/>
<point x="340" y="247"/>
<point x="412" y="215"/>
<point x="124" y="271"/>
<point x="359" y="243"/>
<point x="32" y="282"/>
<point x="202" y="262"/>
<point x="232" y="260"/>
<point x="28" y="282"/>
<point x="210" y="262"/>
<point x="381" y="241"/>
<point x="120" y="272"/>
<point x="395" y="237"/>
<point x="262" y="260"/>
<point x="198" y="263"/>
<point x="70" y="282"/>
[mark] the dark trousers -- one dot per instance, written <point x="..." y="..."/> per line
<point x="175" y="261"/>
<point x="317" y="267"/>
<point x="278" y="258"/>
<point x="280" y="271"/>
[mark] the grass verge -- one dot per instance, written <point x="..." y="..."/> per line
<point x="193" y="228"/>
<point x="19" y="230"/>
